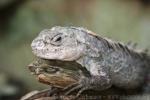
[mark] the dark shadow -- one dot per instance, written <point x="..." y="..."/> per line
<point x="7" y="12"/>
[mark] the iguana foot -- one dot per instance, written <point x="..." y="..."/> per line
<point x="96" y="83"/>
<point x="81" y="86"/>
<point x="53" y="91"/>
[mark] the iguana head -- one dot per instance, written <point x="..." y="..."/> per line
<point x="61" y="43"/>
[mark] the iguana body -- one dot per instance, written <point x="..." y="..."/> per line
<point x="108" y="62"/>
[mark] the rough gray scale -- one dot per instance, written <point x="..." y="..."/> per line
<point x="108" y="62"/>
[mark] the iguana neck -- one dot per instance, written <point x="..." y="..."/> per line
<point x="110" y="53"/>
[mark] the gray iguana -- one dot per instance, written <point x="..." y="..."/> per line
<point x="108" y="62"/>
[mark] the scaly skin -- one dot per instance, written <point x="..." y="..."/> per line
<point x="108" y="62"/>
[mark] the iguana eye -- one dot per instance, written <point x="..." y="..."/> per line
<point x="56" y="40"/>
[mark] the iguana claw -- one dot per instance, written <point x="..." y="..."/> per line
<point x="80" y="87"/>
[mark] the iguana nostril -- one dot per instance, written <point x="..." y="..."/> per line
<point x="38" y="44"/>
<point x="47" y="39"/>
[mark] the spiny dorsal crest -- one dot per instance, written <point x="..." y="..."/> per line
<point x="129" y="49"/>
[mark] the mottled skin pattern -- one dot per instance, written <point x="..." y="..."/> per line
<point x="108" y="62"/>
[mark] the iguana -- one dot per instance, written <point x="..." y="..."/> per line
<point x="108" y="62"/>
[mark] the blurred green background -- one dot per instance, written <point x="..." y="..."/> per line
<point x="22" y="20"/>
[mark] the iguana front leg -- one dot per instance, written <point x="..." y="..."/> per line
<point x="99" y="80"/>
<point x="92" y="83"/>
